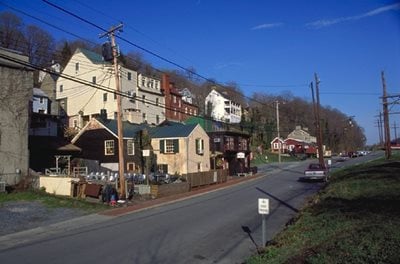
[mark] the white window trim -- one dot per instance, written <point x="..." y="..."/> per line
<point x="132" y="143"/>
<point x="106" y="146"/>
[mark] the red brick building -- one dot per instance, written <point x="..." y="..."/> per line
<point x="176" y="108"/>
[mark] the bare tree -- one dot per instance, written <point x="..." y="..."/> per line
<point x="39" y="46"/>
<point x="11" y="31"/>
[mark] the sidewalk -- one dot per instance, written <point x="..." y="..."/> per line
<point x="125" y="209"/>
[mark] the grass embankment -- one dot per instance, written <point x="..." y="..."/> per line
<point x="52" y="201"/>
<point x="271" y="157"/>
<point x="355" y="219"/>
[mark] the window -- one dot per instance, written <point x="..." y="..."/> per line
<point x="41" y="100"/>
<point x="115" y="115"/>
<point x="144" y="99"/>
<point x="75" y="122"/>
<point x="144" y="117"/>
<point x="229" y="143"/>
<point x="169" y="146"/>
<point x="174" y="99"/>
<point x="94" y="79"/>
<point x="242" y="144"/>
<point x="77" y="66"/>
<point x="156" y="101"/>
<point x="130" y="147"/>
<point x="115" y="96"/>
<point x="143" y="81"/>
<point x="130" y="166"/>
<point x="199" y="146"/>
<point x="109" y="147"/>
<point x="104" y="97"/>
<point x="129" y="76"/>
<point x="157" y="119"/>
<point x="61" y="88"/>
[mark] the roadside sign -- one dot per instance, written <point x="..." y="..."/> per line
<point x="263" y="206"/>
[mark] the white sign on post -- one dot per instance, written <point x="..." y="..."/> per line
<point x="263" y="206"/>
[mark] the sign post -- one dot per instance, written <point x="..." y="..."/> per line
<point x="263" y="209"/>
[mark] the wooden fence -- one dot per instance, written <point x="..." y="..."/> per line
<point x="198" y="179"/>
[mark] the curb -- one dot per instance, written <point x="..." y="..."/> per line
<point x="178" y="197"/>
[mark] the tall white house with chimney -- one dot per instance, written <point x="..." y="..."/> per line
<point x="92" y="91"/>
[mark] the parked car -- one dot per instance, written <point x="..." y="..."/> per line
<point x="315" y="171"/>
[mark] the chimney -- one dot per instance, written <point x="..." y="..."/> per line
<point x="165" y="83"/>
<point x="103" y="114"/>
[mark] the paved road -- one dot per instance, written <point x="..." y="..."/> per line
<point x="218" y="227"/>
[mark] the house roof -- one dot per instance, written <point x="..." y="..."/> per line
<point x="169" y="129"/>
<point x="211" y="126"/>
<point x="129" y="129"/>
<point x="92" y="56"/>
<point x="54" y="144"/>
<point x="39" y="92"/>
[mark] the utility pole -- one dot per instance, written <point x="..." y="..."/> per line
<point x="380" y="129"/>
<point x="317" y="120"/>
<point x="121" y="163"/>
<point x="277" y="129"/>
<point x="388" y="152"/>
<point x="395" y="130"/>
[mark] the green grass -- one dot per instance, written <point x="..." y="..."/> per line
<point x="355" y="219"/>
<point x="272" y="157"/>
<point x="52" y="201"/>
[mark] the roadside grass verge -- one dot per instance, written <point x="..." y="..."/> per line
<point x="259" y="159"/>
<point x="52" y="201"/>
<point x="355" y="219"/>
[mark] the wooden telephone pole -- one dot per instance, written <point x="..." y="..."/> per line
<point x="388" y="151"/>
<point x="317" y="120"/>
<point x="277" y="129"/>
<point x="121" y="163"/>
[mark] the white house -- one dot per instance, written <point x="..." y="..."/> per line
<point x="222" y="108"/>
<point x="187" y="96"/>
<point x="302" y="135"/>
<point x="40" y="102"/>
<point x="87" y="86"/>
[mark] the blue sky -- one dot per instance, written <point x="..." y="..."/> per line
<point x="263" y="46"/>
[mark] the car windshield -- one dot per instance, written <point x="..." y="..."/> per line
<point x="314" y="166"/>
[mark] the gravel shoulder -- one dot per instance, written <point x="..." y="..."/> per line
<point x="18" y="216"/>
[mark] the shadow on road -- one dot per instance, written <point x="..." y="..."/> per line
<point x="278" y="200"/>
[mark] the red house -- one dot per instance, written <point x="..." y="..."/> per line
<point x="277" y="143"/>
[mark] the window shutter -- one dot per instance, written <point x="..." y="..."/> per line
<point x="176" y="145"/>
<point x="162" y="146"/>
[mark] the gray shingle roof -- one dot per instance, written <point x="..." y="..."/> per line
<point x="129" y="129"/>
<point x="171" y="130"/>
